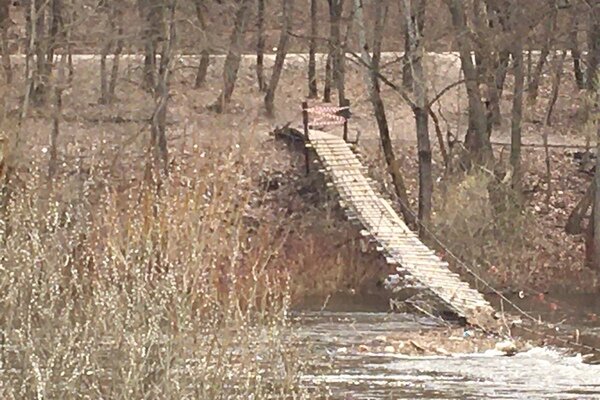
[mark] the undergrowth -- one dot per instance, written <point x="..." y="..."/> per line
<point x="120" y="291"/>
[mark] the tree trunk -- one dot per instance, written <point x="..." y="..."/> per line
<point x="287" y="6"/>
<point x="159" y="117"/>
<point x="532" y="90"/>
<point x="575" y="52"/>
<point x="58" y="90"/>
<point x="593" y="47"/>
<point x="338" y="64"/>
<point x="559" y="61"/>
<point x="415" y="54"/>
<point x="204" y="53"/>
<point x="56" y="31"/>
<point x="108" y="82"/>
<point x="498" y="23"/>
<point x="232" y="61"/>
<point x="4" y="27"/>
<point x="596" y="207"/>
<point x="312" y="50"/>
<point x="372" y="80"/>
<point x="328" y="79"/>
<point x="152" y="17"/>
<point x="477" y="140"/>
<point x="498" y="88"/>
<point x="417" y="15"/>
<point x="104" y="78"/>
<point x="41" y="76"/>
<point x="114" y="75"/>
<point x="407" y="79"/>
<point x="260" y="46"/>
<point x="517" y="114"/>
<point x="574" y="225"/>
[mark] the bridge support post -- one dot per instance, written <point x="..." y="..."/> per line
<point x="305" y="125"/>
<point x="346" y="103"/>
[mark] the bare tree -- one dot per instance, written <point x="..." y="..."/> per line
<point x="499" y="36"/>
<point x="260" y="46"/>
<point x="372" y="81"/>
<point x="593" y="46"/>
<point x="151" y="12"/>
<point x="232" y="61"/>
<point x="328" y="78"/>
<point x="595" y="221"/>
<point x="517" y="106"/>
<point x="204" y="53"/>
<point x="59" y="87"/>
<point x="416" y="14"/>
<point x="5" y="23"/>
<point x="36" y="16"/>
<point x="557" y="72"/>
<point x="477" y="140"/>
<point x="114" y="39"/>
<point x="532" y="90"/>
<point x="415" y="53"/>
<point x="114" y="75"/>
<point x="575" y="52"/>
<point x="287" y="7"/>
<point x="337" y="52"/>
<point x="574" y="225"/>
<point x="158" y="141"/>
<point x="312" y="49"/>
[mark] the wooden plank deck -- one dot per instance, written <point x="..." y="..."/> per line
<point x="400" y="245"/>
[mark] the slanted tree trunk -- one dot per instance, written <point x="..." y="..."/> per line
<point x="260" y="46"/>
<point x="114" y="75"/>
<point x="372" y="80"/>
<point x="232" y="61"/>
<point x="4" y="51"/>
<point x="574" y="225"/>
<point x="558" y="61"/>
<point x="477" y="140"/>
<point x="575" y="52"/>
<point x="532" y="90"/>
<point x="204" y="53"/>
<point x="287" y="6"/>
<point x="312" y="50"/>
<point x="415" y="53"/>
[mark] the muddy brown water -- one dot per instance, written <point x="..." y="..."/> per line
<point x="542" y="372"/>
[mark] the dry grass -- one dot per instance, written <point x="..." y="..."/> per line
<point x="122" y="292"/>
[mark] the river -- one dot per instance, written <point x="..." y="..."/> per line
<point x="332" y="335"/>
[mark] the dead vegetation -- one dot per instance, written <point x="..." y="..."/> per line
<point x="121" y="279"/>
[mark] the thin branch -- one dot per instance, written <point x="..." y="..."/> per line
<point x="444" y="91"/>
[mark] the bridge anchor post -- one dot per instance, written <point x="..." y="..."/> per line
<point x="305" y="125"/>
